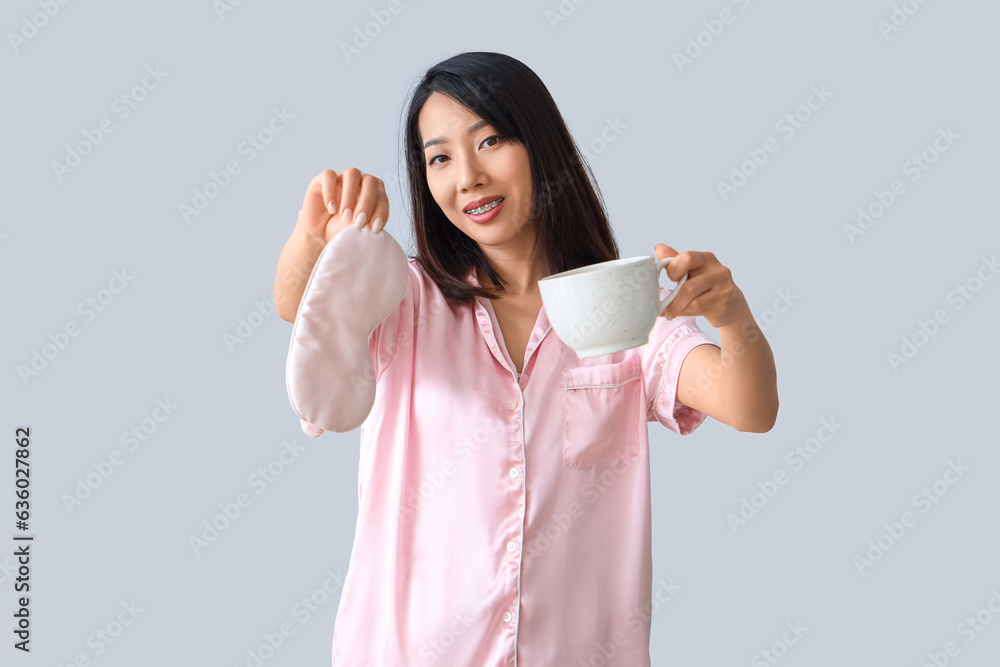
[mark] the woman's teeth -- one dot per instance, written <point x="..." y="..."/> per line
<point x="485" y="207"/>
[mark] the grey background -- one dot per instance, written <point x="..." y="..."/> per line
<point x="164" y="335"/>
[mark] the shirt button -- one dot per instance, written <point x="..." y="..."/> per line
<point x="507" y="616"/>
<point x="513" y="406"/>
<point x="511" y="546"/>
<point x="514" y="472"/>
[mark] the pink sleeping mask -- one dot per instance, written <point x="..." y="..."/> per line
<point x="359" y="279"/>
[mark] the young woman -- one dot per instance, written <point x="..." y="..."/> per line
<point x="504" y="506"/>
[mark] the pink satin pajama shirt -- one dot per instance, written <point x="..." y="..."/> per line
<point x="505" y="520"/>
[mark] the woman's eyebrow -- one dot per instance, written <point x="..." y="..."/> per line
<point x="441" y="140"/>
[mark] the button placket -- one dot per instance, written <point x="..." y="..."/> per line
<point x="514" y="473"/>
<point x="515" y="407"/>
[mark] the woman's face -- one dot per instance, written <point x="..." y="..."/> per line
<point x="463" y="167"/>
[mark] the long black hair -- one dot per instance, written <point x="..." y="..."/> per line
<point x="567" y="209"/>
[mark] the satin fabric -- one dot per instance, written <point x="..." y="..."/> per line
<point x="358" y="279"/>
<point x="504" y="521"/>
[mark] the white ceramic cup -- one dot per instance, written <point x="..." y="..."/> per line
<point x="606" y="307"/>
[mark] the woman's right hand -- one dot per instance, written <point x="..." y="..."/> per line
<point x="329" y="195"/>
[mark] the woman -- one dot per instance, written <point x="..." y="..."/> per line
<point x="504" y="509"/>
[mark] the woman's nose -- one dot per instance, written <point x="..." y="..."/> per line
<point x="471" y="174"/>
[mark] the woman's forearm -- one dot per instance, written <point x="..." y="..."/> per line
<point x="749" y="380"/>
<point x="295" y="265"/>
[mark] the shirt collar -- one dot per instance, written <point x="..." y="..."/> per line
<point x="485" y="314"/>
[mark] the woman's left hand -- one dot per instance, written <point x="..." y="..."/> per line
<point x="709" y="290"/>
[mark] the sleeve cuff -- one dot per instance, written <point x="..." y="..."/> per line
<point x="670" y="412"/>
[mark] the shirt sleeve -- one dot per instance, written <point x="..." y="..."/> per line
<point x="384" y="339"/>
<point x="669" y="342"/>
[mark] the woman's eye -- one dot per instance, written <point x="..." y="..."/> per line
<point x="491" y="137"/>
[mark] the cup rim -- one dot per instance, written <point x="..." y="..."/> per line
<point x="583" y="270"/>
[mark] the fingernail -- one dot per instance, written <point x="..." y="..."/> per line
<point x="331" y="207"/>
<point x="346" y="215"/>
<point x="362" y="219"/>
<point x="377" y="225"/>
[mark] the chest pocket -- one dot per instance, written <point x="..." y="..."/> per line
<point x="602" y="412"/>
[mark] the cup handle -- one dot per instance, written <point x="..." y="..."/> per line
<point x="662" y="264"/>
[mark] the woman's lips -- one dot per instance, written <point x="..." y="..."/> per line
<point x="489" y="215"/>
